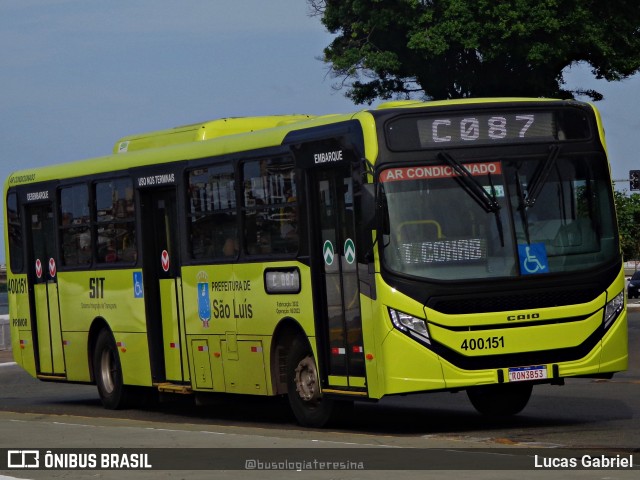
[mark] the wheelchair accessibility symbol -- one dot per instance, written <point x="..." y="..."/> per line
<point x="138" y="291"/>
<point x="533" y="259"/>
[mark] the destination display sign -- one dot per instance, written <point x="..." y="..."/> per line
<point x="483" y="128"/>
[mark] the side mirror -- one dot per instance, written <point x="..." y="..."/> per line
<point x="368" y="207"/>
<point x="366" y="222"/>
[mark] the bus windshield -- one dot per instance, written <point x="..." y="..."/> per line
<point x="505" y="217"/>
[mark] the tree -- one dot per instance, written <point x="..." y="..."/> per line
<point x="439" y="49"/>
<point x="628" y="211"/>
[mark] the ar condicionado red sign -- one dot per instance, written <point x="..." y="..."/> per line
<point x="437" y="171"/>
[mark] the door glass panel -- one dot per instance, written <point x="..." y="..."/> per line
<point x="42" y="234"/>
<point x="337" y="227"/>
<point x="331" y="251"/>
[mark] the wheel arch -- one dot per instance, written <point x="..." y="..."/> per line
<point x="283" y="337"/>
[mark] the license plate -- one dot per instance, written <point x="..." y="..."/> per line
<point x="525" y="374"/>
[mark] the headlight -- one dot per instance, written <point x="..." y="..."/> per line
<point x="416" y="327"/>
<point x="613" y="309"/>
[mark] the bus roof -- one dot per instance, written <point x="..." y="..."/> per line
<point x="207" y="139"/>
<point x="203" y="131"/>
<point x="223" y="136"/>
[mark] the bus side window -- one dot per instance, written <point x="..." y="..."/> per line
<point x="212" y="213"/>
<point x="75" y="229"/>
<point x="14" y="221"/>
<point x="115" y="232"/>
<point x="270" y="207"/>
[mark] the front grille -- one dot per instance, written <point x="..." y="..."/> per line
<point x="509" y="302"/>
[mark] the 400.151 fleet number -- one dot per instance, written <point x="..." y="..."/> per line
<point x="482" y="343"/>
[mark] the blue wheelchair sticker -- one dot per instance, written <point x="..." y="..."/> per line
<point x="533" y="258"/>
<point x="138" y="291"/>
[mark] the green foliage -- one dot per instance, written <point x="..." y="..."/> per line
<point x="628" y="210"/>
<point x="438" y="49"/>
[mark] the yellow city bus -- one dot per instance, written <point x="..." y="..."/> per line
<point x="413" y="247"/>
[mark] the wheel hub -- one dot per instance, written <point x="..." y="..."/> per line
<point x="307" y="380"/>
<point x="107" y="367"/>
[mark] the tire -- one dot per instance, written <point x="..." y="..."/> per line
<point x="500" y="400"/>
<point x="303" y="387"/>
<point x="107" y="372"/>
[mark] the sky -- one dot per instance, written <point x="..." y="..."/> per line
<point x="77" y="75"/>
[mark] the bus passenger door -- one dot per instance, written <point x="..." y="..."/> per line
<point x="163" y="286"/>
<point x="334" y="258"/>
<point x="43" y="281"/>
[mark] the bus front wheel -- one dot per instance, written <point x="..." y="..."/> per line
<point x="303" y="387"/>
<point x="500" y="400"/>
<point x="107" y="372"/>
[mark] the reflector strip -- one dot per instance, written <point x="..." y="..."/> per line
<point x="338" y="351"/>
<point x="203" y="348"/>
<point x="174" y="345"/>
<point x="256" y="349"/>
<point x="358" y="349"/>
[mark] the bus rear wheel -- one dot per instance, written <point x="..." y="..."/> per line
<point x="107" y="372"/>
<point x="500" y="400"/>
<point x="303" y="387"/>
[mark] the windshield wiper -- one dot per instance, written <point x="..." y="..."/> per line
<point x="522" y="207"/>
<point x="475" y="190"/>
<point x="470" y="185"/>
<point x="540" y="177"/>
